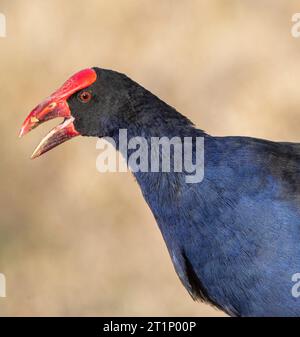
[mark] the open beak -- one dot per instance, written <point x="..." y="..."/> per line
<point x="56" y="106"/>
<point x="48" y="110"/>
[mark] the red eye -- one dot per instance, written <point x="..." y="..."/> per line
<point x="85" y="96"/>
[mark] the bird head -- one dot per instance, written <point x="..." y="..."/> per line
<point x="91" y="103"/>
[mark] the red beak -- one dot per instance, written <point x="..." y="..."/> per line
<point x="56" y="106"/>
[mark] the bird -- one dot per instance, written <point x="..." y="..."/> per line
<point x="234" y="236"/>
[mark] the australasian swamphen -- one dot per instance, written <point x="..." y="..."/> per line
<point x="234" y="237"/>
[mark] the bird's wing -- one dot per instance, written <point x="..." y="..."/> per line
<point x="244" y="227"/>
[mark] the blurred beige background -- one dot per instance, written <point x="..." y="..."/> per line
<point x="77" y="242"/>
